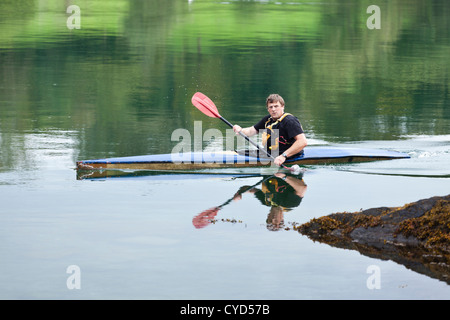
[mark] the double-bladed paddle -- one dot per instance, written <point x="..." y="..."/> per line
<point x="205" y="105"/>
<point x="204" y="218"/>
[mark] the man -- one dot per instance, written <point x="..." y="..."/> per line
<point x="282" y="128"/>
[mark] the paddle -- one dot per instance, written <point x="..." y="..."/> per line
<point x="205" y="105"/>
<point x="204" y="218"/>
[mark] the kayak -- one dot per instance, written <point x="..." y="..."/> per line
<point x="227" y="159"/>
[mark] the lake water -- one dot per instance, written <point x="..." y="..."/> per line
<point x="121" y="85"/>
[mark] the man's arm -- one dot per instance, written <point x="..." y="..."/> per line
<point x="249" y="131"/>
<point x="297" y="146"/>
<point x="298" y="184"/>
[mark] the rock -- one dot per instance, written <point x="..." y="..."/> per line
<point x="416" y="235"/>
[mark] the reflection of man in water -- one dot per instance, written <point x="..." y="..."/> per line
<point x="281" y="193"/>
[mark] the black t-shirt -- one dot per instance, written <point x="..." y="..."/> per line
<point x="288" y="128"/>
<point x="278" y="193"/>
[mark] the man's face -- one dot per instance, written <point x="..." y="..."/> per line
<point x="275" y="109"/>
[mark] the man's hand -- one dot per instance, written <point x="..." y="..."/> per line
<point x="279" y="160"/>
<point x="237" y="128"/>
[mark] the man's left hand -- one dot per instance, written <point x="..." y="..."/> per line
<point x="279" y="160"/>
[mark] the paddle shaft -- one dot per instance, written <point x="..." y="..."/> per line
<point x="252" y="142"/>
<point x="244" y="191"/>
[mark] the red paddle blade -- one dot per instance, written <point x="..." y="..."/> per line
<point x="204" y="218"/>
<point x="205" y="105"/>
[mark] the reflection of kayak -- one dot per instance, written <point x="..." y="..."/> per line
<point x="116" y="174"/>
<point x="227" y="159"/>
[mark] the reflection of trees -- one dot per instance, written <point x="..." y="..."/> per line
<point x="379" y="79"/>
<point x="122" y="77"/>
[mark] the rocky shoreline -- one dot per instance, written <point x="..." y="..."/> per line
<point x="416" y="235"/>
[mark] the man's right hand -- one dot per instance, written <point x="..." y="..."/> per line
<point x="237" y="128"/>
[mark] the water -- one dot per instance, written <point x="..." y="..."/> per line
<point x="122" y="84"/>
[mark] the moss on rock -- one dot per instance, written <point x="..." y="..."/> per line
<point x="416" y="235"/>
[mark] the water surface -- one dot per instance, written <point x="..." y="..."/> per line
<point x="122" y="84"/>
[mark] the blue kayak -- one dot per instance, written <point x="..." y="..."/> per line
<point x="228" y="159"/>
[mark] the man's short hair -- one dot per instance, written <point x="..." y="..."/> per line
<point x="274" y="98"/>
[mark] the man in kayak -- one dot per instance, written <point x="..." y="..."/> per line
<point x="283" y="134"/>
